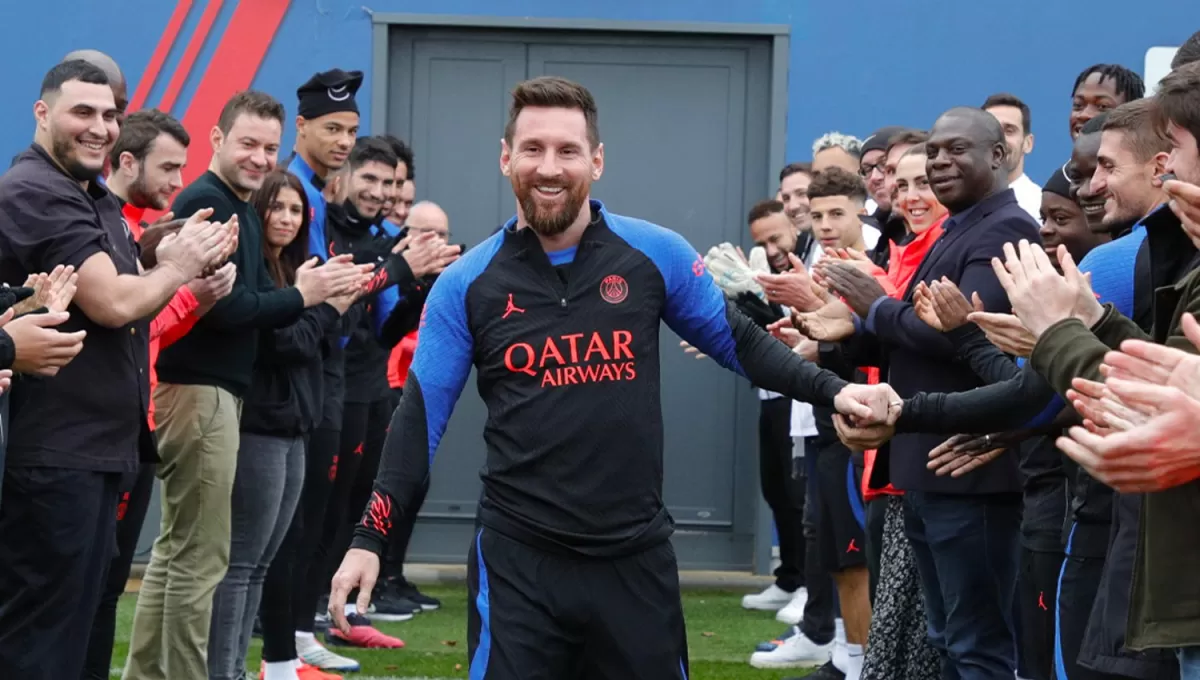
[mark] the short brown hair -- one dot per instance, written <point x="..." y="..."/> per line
<point x="1136" y="120"/>
<point x="554" y="92"/>
<point x="142" y="129"/>
<point x="903" y="137"/>
<point x="1178" y="100"/>
<point x="253" y="102"/>
<point x="763" y="209"/>
<point x="837" y="182"/>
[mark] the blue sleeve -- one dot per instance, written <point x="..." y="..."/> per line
<point x="1112" y="268"/>
<point x="436" y="378"/>
<point x="443" y="358"/>
<point x="696" y="309"/>
<point x="317" y="244"/>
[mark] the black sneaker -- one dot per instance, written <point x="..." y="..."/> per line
<point x="408" y="591"/>
<point x="826" y="672"/>
<point x="389" y="604"/>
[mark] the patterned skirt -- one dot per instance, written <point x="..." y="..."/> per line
<point x="897" y="646"/>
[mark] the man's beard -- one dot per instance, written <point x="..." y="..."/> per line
<point x="61" y="148"/>
<point x="141" y="196"/>
<point x="550" y="221"/>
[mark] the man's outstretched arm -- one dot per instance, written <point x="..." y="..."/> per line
<point x="699" y="313"/>
<point x="439" y="371"/>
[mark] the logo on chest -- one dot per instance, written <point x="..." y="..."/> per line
<point x="575" y="358"/>
<point x="614" y="289"/>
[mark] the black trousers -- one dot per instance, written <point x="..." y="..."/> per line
<point x="136" y="488"/>
<point x="780" y="489"/>
<point x="818" y="623"/>
<point x="1037" y="593"/>
<point x="364" y="430"/>
<point x="57" y="537"/>
<point x="534" y="615"/>
<point x="309" y="573"/>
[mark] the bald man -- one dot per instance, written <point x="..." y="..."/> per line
<point x="428" y="216"/>
<point x="115" y="77"/>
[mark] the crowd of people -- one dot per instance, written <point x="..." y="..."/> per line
<point x="248" y="354"/>
<point x="977" y="392"/>
<point x="1048" y="332"/>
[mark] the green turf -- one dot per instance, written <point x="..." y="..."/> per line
<point x="721" y="636"/>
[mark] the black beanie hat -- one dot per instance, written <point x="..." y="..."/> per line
<point x="878" y="141"/>
<point x="1058" y="183"/>
<point x="329" y="92"/>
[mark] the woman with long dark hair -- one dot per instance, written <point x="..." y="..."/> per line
<point x="280" y="409"/>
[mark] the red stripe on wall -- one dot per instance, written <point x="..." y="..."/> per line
<point x="189" y="55"/>
<point x="165" y="43"/>
<point x="232" y="69"/>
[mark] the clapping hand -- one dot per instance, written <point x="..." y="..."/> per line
<point x="793" y="288"/>
<point x="860" y="290"/>
<point x="54" y="291"/>
<point x="943" y="306"/>
<point x="831" y="323"/>
<point x="1040" y="296"/>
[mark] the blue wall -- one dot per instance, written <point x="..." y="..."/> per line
<point x="855" y="65"/>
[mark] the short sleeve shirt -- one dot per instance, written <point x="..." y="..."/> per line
<point x="92" y="414"/>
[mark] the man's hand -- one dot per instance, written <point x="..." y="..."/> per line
<point x="1159" y="454"/>
<point x="1147" y="362"/>
<point x="830" y="323"/>
<point x="5" y="380"/>
<point x="793" y="288"/>
<point x="783" y="331"/>
<point x="1006" y="332"/>
<point x="198" y="245"/>
<point x="810" y="350"/>
<point x="689" y="349"/>
<point x="1040" y="296"/>
<point x="963" y="453"/>
<point x="426" y="253"/>
<point x="859" y="290"/>
<point x="1102" y="411"/>
<point x="336" y="277"/>
<point x="41" y="350"/>
<point x="943" y="306"/>
<point x="849" y="256"/>
<point x="869" y="404"/>
<point x="360" y="569"/>
<point x="862" y="437"/>
<point x="214" y="287"/>
<point x="54" y="291"/>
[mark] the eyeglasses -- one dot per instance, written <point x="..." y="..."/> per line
<point x="867" y="168"/>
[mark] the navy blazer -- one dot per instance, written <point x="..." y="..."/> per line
<point x="921" y="359"/>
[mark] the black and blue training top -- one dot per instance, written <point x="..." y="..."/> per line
<point x="566" y="345"/>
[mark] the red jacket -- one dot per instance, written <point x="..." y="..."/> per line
<point x="401" y="359"/>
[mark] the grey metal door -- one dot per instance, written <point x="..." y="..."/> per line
<point x="684" y="124"/>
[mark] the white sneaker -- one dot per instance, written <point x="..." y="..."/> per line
<point x="314" y="653"/>
<point x="771" y="599"/>
<point x="796" y="652"/>
<point x="793" y="613"/>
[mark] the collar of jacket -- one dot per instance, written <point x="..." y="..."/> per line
<point x="1171" y="249"/>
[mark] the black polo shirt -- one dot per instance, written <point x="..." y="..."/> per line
<point x="92" y="415"/>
